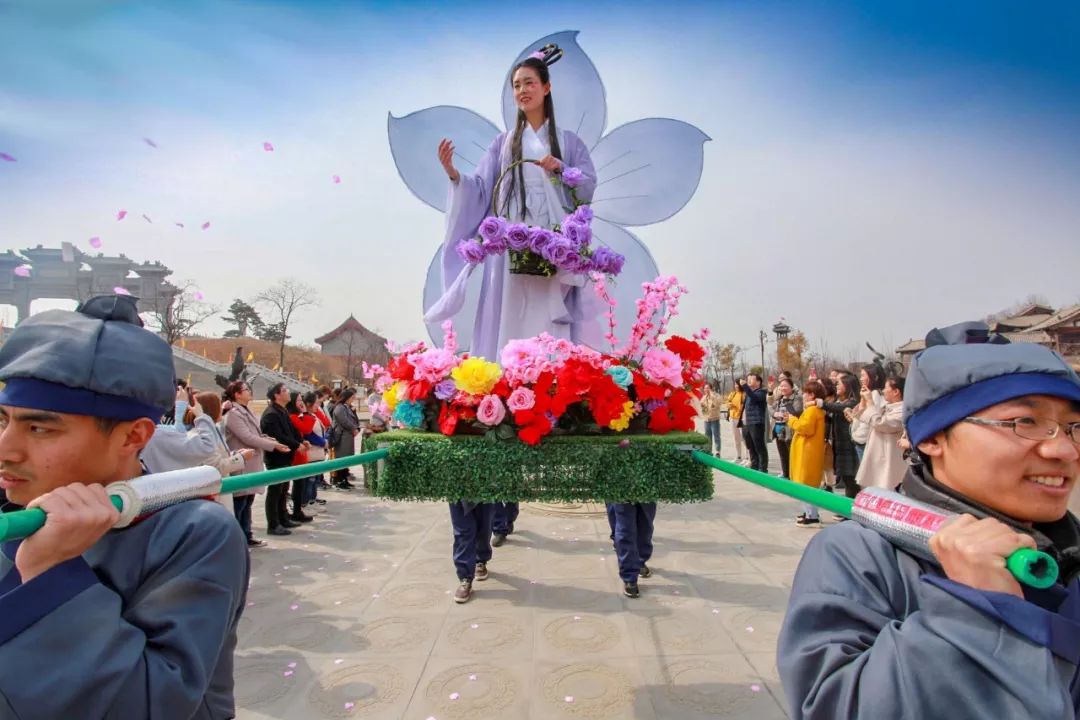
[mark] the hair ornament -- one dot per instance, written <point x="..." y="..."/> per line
<point x="549" y="54"/>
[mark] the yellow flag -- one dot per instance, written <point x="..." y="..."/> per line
<point x="276" y="366"/>
<point x="250" y="357"/>
<point x="183" y="342"/>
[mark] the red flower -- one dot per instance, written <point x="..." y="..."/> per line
<point x="647" y="390"/>
<point x="690" y="351"/>
<point x="400" y="369"/>
<point x="418" y="390"/>
<point x="448" y="420"/>
<point x="502" y="389"/>
<point x="676" y="414"/>
<point x="531" y="433"/>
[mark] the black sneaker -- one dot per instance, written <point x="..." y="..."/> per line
<point x="252" y="542"/>
<point x="301" y="518"/>
<point x="464" y="592"/>
<point x="481" y="572"/>
<point x="497" y="540"/>
<point x="319" y="501"/>
<point x="278" y="531"/>
<point x="630" y="590"/>
<point x="807" y="522"/>
<point x="290" y="524"/>
<point x="644" y="572"/>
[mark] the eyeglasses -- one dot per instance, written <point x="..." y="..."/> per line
<point x="1032" y="428"/>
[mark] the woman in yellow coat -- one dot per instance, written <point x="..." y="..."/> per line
<point x="808" y="446"/>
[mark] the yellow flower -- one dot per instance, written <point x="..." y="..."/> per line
<point x="476" y="376"/>
<point x="390" y="397"/>
<point x="621" y="423"/>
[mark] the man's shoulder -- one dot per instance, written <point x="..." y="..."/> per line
<point x="848" y="553"/>
<point x="201" y="522"/>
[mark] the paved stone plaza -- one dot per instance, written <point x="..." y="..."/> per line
<point x="352" y="616"/>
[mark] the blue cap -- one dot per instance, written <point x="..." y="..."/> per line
<point x="966" y="369"/>
<point x="97" y="361"/>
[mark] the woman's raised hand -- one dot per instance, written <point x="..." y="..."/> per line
<point x="446" y="158"/>
<point x="550" y="163"/>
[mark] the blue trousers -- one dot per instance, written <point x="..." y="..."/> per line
<point x="242" y="508"/>
<point x="505" y="515"/>
<point x="472" y="536"/>
<point x="712" y="431"/>
<point x="632" y="531"/>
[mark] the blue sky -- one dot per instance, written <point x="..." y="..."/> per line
<point x="875" y="168"/>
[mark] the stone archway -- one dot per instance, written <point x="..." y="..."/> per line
<point x="58" y="273"/>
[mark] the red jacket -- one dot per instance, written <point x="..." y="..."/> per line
<point x="304" y="425"/>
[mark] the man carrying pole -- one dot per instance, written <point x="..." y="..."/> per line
<point x="873" y="631"/>
<point x="99" y="622"/>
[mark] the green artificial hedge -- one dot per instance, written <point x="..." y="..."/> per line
<point x="563" y="468"/>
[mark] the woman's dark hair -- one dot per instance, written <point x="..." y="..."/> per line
<point x="876" y="375"/>
<point x="291" y="405"/>
<point x="898" y="383"/>
<point x="830" y="386"/>
<point x="815" y="388"/>
<point x="233" y="389"/>
<point x="850" y="384"/>
<point x="273" y="390"/>
<point x="517" y="177"/>
<point x="310" y="398"/>
<point x="347" y="395"/>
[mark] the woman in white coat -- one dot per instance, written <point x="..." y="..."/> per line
<point x="883" y="463"/>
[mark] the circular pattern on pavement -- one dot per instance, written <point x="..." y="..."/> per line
<point x="695" y="685"/>
<point x="480" y="691"/>
<point x="598" y="691"/>
<point x="567" y="509"/>
<point x="258" y="683"/>
<point x="301" y="633"/>
<point x="356" y="691"/>
<point x="394" y="633"/>
<point x="482" y="635"/>
<point x="340" y="594"/>
<point x="415" y="596"/>
<point x="587" y="634"/>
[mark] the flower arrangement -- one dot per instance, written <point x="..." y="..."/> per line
<point x="546" y="385"/>
<point x="539" y="251"/>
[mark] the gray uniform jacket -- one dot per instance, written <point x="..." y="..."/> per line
<point x="871" y="632"/>
<point x="344" y="418"/>
<point x="143" y="625"/>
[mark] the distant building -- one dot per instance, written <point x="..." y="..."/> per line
<point x="1033" y="323"/>
<point x="355" y="344"/>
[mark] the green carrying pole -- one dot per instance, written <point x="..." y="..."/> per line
<point x="22" y="523"/>
<point x="906" y="523"/>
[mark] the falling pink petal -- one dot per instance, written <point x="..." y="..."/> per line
<point x="749" y="629"/>
<point x="474" y="626"/>
<point x="337" y="602"/>
<point x="294" y="606"/>
<point x="454" y="696"/>
<point x="292" y="666"/>
<point x="716" y="611"/>
<point x="179" y="225"/>
<point x="268" y="147"/>
<point x="472" y="677"/>
<point x="23" y="271"/>
<point x="349" y="705"/>
<point x="288" y="673"/>
<point x="337" y="179"/>
<point x="121" y="215"/>
<point x="206" y="225"/>
<point x="120" y="291"/>
<point x="7" y="158"/>
<point x="277" y="574"/>
<point x="338" y="661"/>
<point x="251" y="604"/>
<point x="569" y="698"/>
<point x="577" y="617"/>
<point x="147" y="218"/>
<point x="95" y="242"/>
<point x="755" y="688"/>
<point x="149" y="142"/>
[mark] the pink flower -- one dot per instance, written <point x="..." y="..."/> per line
<point x="521" y="399"/>
<point x="662" y="365"/>
<point x="522" y="359"/>
<point x="491" y="410"/>
<point x="433" y="365"/>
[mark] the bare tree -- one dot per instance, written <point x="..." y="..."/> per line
<point x="177" y="316"/>
<point x="282" y="302"/>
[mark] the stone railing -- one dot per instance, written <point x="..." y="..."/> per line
<point x="253" y="370"/>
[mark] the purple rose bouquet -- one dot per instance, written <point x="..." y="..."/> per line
<point x="539" y="251"/>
